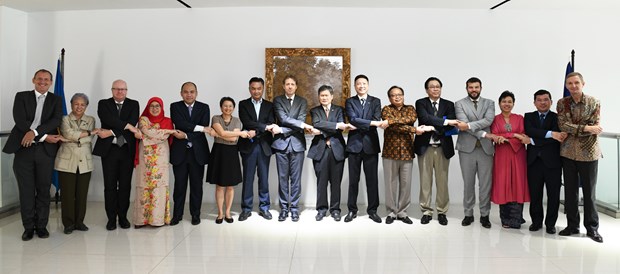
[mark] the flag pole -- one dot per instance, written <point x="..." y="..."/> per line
<point x="62" y="61"/>
<point x="572" y="58"/>
<point x="62" y="72"/>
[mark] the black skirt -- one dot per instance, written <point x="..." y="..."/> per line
<point x="224" y="168"/>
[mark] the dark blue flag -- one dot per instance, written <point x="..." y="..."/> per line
<point x="569" y="69"/>
<point x="59" y="90"/>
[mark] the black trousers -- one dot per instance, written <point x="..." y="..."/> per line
<point x="33" y="170"/>
<point x="539" y="176"/>
<point x="117" y="171"/>
<point x="587" y="172"/>
<point x="370" y="162"/>
<point x="195" y="172"/>
<point x="74" y="193"/>
<point x="328" y="171"/>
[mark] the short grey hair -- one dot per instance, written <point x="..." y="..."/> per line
<point x="79" y="95"/>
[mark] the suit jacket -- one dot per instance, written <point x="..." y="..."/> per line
<point x="327" y="126"/>
<point x="479" y="121"/>
<point x="548" y="149"/>
<point x="248" y="118"/>
<point x="77" y="153"/>
<point x="290" y="119"/>
<point x="365" y="137"/>
<point x="110" y="119"/>
<point x="24" y="108"/>
<point x="425" y="110"/>
<point x="182" y="121"/>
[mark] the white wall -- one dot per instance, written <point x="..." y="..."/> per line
<point x="221" y="48"/>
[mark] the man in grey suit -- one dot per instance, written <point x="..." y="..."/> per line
<point x="289" y="144"/>
<point x="327" y="152"/>
<point x="475" y="115"/>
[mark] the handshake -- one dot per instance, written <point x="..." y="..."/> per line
<point x="314" y="131"/>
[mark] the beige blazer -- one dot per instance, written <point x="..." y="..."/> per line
<point x="77" y="153"/>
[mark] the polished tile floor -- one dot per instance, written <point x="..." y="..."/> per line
<point x="308" y="246"/>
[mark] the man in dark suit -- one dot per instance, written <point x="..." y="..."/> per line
<point x="327" y="152"/>
<point x="290" y="144"/>
<point x="434" y="150"/>
<point x="257" y="116"/>
<point x="37" y="114"/>
<point x="189" y="152"/>
<point x="364" y="112"/>
<point x="475" y="115"/>
<point x="116" y="145"/>
<point x="544" y="165"/>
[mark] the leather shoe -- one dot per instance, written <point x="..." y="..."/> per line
<point x="568" y="231"/>
<point x="124" y="223"/>
<point x="550" y="230"/>
<point x="195" y="220"/>
<point x="81" y="227"/>
<point x="336" y="216"/>
<point x="350" y="216"/>
<point x="593" y="234"/>
<point x="389" y="220"/>
<point x="175" y="221"/>
<point x="229" y="220"/>
<point x="283" y="215"/>
<point x="484" y="220"/>
<point x="28" y="234"/>
<point x="43" y="233"/>
<point x="405" y="220"/>
<point x="245" y="215"/>
<point x="319" y="216"/>
<point x="294" y="216"/>
<point x="426" y="219"/>
<point x="219" y="220"/>
<point x="442" y="219"/>
<point x="265" y="214"/>
<point x="373" y="216"/>
<point x="111" y="225"/>
<point x="535" y="227"/>
<point x="467" y="220"/>
<point x="69" y="229"/>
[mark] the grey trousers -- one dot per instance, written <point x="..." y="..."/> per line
<point x="476" y="163"/>
<point x="397" y="175"/>
<point x="433" y="161"/>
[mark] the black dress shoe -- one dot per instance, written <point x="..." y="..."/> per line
<point x="195" y="220"/>
<point x="245" y="215"/>
<point x="593" y="234"/>
<point x="484" y="220"/>
<point x="550" y="230"/>
<point x="175" y="221"/>
<point x="373" y="216"/>
<point x="442" y="219"/>
<point x="124" y="223"/>
<point x="81" y="227"/>
<point x="69" y="229"/>
<point x="219" y="220"/>
<point x="467" y="220"/>
<point x="426" y="219"/>
<point x="229" y="220"/>
<point x="405" y="220"/>
<point x="111" y="225"/>
<point x="282" y="216"/>
<point x="138" y="226"/>
<point x="319" y="216"/>
<point x="28" y="235"/>
<point x="294" y="216"/>
<point x="336" y="216"/>
<point x="265" y="214"/>
<point x="568" y="231"/>
<point x="389" y="220"/>
<point x="43" y="233"/>
<point x="350" y="216"/>
<point x="535" y="227"/>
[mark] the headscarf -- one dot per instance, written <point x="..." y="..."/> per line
<point x="164" y="123"/>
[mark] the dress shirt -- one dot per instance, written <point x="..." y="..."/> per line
<point x="572" y="118"/>
<point x="398" y="136"/>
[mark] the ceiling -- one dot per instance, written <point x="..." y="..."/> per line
<point x="59" y="5"/>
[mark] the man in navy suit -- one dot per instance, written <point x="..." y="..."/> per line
<point x="34" y="140"/>
<point x="257" y="116"/>
<point x="189" y="152"/>
<point x="116" y="145"/>
<point x="290" y="144"/>
<point x="434" y="150"/>
<point x="544" y="165"/>
<point x="364" y="112"/>
<point x="327" y="152"/>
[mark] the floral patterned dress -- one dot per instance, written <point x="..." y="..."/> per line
<point x="152" y="202"/>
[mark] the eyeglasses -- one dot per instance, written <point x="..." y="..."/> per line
<point x="157" y="106"/>
<point x="396" y="95"/>
<point x="119" y="89"/>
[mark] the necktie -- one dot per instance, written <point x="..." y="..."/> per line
<point x="542" y="119"/>
<point x="120" y="140"/>
<point x="290" y="101"/>
<point x="189" y="110"/>
<point x="475" y="104"/>
<point x="434" y="139"/>
<point x="38" y="111"/>
<point x="363" y="101"/>
<point x="435" y="108"/>
<point x="327" y="112"/>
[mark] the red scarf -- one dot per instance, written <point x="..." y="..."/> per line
<point x="164" y="123"/>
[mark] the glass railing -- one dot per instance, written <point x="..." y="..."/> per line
<point x="608" y="183"/>
<point x="9" y="198"/>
